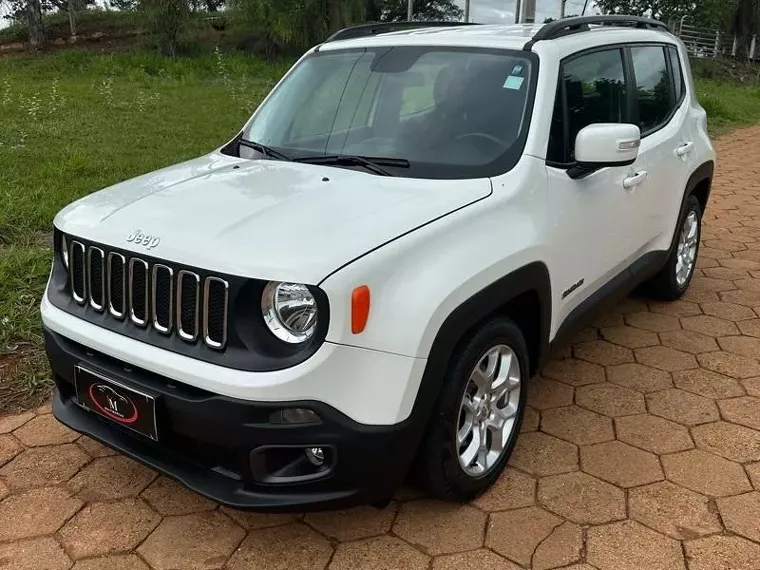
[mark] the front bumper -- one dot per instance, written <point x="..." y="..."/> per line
<point x="213" y="443"/>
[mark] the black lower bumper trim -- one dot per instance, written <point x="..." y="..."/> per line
<point x="206" y="440"/>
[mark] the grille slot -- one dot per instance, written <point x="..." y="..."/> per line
<point x="117" y="280"/>
<point x="163" y="295"/>
<point x="77" y="269"/>
<point x="170" y="301"/>
<point x="215" y="292"/>
<point x="96" y="284"/>
<point x="188" y="305"/>
<point x="138" y="291"/>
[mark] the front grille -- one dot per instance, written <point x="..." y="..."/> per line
<point x="149" y="295"/>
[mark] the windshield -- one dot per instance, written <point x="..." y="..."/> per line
<point x="451" y="113"/>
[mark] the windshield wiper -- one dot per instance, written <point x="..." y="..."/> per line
<point x="374" y="164"/>
<point x="265" y="150"/>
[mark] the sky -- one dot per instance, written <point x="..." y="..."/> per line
<point x="503" y="11"/>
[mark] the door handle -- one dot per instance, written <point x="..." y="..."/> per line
<point x="684" y="149"/>
<point x="636" y="179"/>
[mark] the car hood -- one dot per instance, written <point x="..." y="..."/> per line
<point x="265" y="219"/>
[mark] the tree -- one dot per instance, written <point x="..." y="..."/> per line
<point x="395" y="10"/>
<point x="37" y="38"/>
<point x="707" y="13"/>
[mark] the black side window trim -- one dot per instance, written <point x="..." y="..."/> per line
<point x="631" y="88"/>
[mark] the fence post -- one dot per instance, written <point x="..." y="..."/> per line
<point x="716" y="52"/>
<point x="733" y="48"/>
<point x="753" y="48"/>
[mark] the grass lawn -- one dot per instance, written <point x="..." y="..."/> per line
<point x="74" y="122"/>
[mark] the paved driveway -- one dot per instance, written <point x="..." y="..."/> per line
<point x="641" y="451"/>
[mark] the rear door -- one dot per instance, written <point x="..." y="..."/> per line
<point x="666" y="145"/>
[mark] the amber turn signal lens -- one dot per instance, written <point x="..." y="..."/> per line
<point x="359" y="309"/>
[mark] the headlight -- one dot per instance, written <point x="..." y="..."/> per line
<point x="64" y="251"/>
<point x="290" y="311"/>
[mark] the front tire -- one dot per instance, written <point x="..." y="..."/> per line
<point x="674" y="278"/>
<point x="477" y="418"/>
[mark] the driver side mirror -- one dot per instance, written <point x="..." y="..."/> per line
<point x="605" y="145"/>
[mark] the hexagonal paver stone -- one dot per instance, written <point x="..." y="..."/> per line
<point x="610" y="399"/>
<point x="194" y="542"/>
<point x="544" y="394"/>
<point x="722" y="553"/>
<point x="751" y="385"/>
<point x="35" y="554"/>
<point x="107" y="528"/>
<point x="111" y="478"/>
<point x="4" y="490"/>
<point x="707" y="383"/>
<point x="748" y="284"/>
<point x="640" y="378"/>
<point x="41" y="466"/>
<point x="169" y="498"/>
<point x="352" y="524"/>
<point x="563" y="546"/>
<point x="114" y="562"/>
<point x="44" y="430"/>
<point x="473" y="560"/>
<point x="512" y="490"/>
<point x="673" y="510"/>
<point x="689" y="341"/>
<point x="577" y="425"/>
<point x="750" y="328"/>
<point x="652" y="433"/>
<point x="253" y="521"/>
<point x="629" y="337"/>
<point x="753" y="470"/>
<point x="730" y="364"/>
<point x="628" y="545"/>
<point x="574" y="372"/>
<point x="742" y="345"/>
<point x="542" y="454"/>
<point x="373" y="554"/>
<point x="728" y="311"/>
<point x="582" y="498"/>
<point x="10" y="423"/>
<point x="709" y="326"/>
<point x="744" y="411"/>
<point x="516" y="534"/>
<point x="678" y="308"/>
<point x="653" y="322"/>
<point x="293" y="546"/>
<point x="36" y="512"/>
<point x="530" y="420"/>
<point x="440" y="528"/>
<point x="746" y="298"/>
<point x="94" y="448"/>
<point x="666" y="358"/>
<point x="741" y="514"/>
<point x="602" y="352"/>
<point x="705" y="473"/>
<point x="682" y="407"/>
<point x="9" y="448"/>
<point x="731" y="441"/>
<point x="621" y="464"/>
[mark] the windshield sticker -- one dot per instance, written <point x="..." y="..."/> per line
<point x="517" y="70"/>
<point x="514" y="83"/>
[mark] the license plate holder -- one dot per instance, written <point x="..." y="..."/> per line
<point x="111" y="399"/>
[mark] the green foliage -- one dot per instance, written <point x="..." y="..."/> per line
<point x="395" y="10"/>
<point x="169" y="21"/>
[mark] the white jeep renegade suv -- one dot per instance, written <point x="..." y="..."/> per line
<point x="365" y="279"/>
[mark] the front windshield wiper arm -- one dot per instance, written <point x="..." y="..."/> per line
<point x="265" y="150"/>
<point x="374" y="164"/>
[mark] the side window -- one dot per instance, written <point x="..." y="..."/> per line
<point x="652" y="85"/>
<point x="675" y="64"/>
<point x="594" y="88"/>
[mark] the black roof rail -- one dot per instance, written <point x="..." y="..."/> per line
<point x="385" y="27"/>
<point x="567" y="26"/>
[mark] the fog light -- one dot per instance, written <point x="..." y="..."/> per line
<point x="293" y="416"/>
<point x="315" y="455"/>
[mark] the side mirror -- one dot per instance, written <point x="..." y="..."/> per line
<point x="605" y="144"/>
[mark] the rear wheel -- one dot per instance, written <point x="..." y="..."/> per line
<point x="478" y="416"/>
<point x="675" y="277"/>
